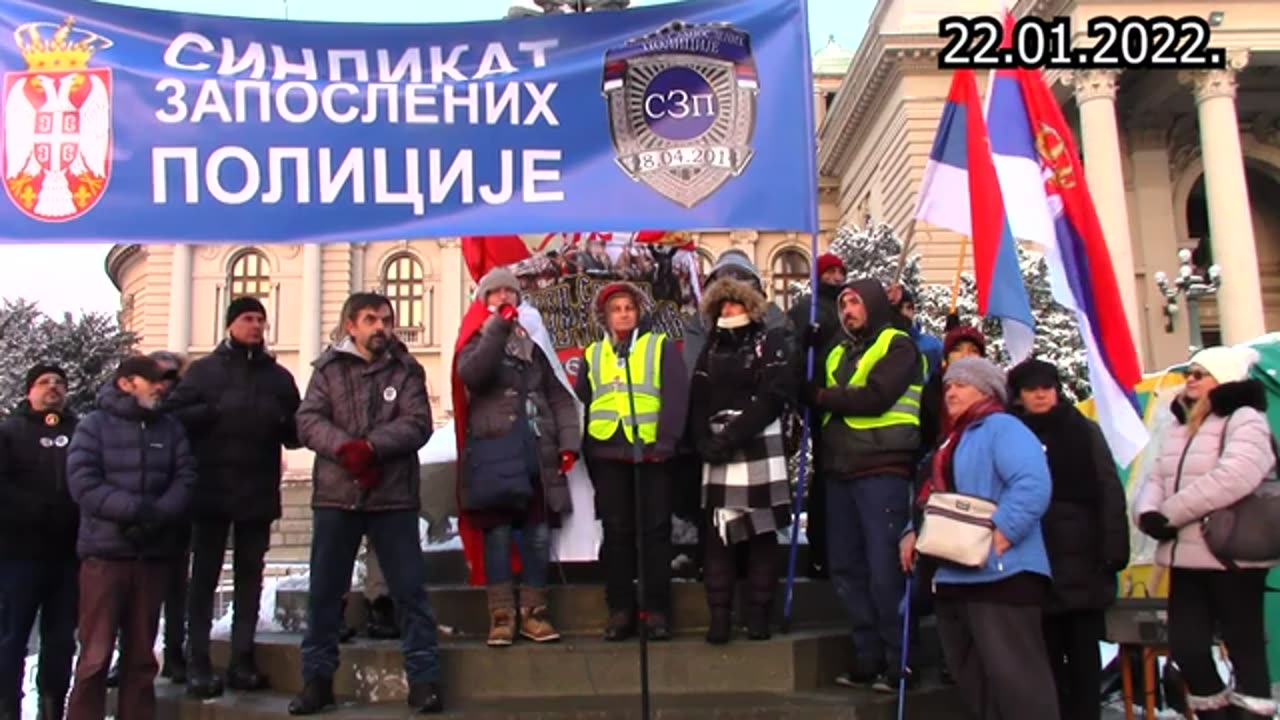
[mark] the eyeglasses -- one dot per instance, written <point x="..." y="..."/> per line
<point x="169" y="376"/>
<point x="1197" y="375"/>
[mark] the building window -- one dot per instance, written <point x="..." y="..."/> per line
<point x="250" y="276"/>
<point x="705" y="262"/>
<point x="789" y="266"/>
<point x="402" y="282"/>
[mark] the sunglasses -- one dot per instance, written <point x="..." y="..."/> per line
<point x="1198" y="375"/>
<point x="169" y="375"/>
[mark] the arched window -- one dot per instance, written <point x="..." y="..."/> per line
<point x="402" y="282"/>
<point x="250" y="275"/>
<point x="789" y="266"/>
<point x="706" y="261"/>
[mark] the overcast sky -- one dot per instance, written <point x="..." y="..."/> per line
<point x="71" y="278"/>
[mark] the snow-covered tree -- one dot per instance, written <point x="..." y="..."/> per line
<point x="872" y="252"/>
<point x="88" y="347"/>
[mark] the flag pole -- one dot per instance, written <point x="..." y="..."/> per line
<point x="955" y="284"/>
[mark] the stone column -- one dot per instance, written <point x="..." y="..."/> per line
<point x="1227" y="196"/>
<point x="179" y="339"/>
<point x="359" y="251"/>
<point x="1095" y="92"/>
<point x="453" y="284"/>
<point x="310" y="332"/>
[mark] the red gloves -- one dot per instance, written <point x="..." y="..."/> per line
<point x="356" y="457"/>
<point x="567" y="459"/>
<point x="508" y="312"/>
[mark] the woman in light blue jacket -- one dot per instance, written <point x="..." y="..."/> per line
<point x="989" y="618"/>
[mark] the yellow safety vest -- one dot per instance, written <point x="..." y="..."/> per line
<point x="906" y="411"/>
<point x="610" y="406"/>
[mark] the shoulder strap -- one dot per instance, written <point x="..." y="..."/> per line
<point x="1222" y="443"/>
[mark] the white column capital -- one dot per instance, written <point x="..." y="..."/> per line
<point x="1217" y="83"/>
<point x="450" y="242"/>
<point x="1093" y="84"/>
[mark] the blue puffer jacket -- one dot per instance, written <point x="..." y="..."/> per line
<point x="1000" y="459"/>
<point x="128" y="466"/>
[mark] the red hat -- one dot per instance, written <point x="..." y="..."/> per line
<point x="829" y="261"/>
<point x="964" y="333"/>
<point x="614" y="288"/>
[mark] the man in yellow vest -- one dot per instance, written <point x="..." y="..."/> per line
<point x="867" y="394"/>
<point x="660" y="386"/>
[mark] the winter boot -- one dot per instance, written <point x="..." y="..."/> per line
<point x="758" y="623"/>
<point x="51" y="707"/>
<point x="316" y="697"/>
<point x="657" y="626"/>
<point x="535" y="618"/>
<point x="621" y="626"/>
<point x="202" y="683"/>
<point x="502" y="615"/>
<point x="382" y="624"/>
<point x="175" y="666"/>
<point x="426" y="698"/>
<point x="242" y="674"/>
<point x="721" y="627"/>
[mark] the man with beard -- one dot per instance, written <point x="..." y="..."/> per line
<point x="870" y="434"/>
<point x="38" y="564"/>
<point x="365" y="415"/>
<point x="131" y="470"/>
<point x="818" y="336"/>
<point x="238" y="405"/>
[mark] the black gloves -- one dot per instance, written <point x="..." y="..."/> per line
<point x="716" y="451"/>
<point x="1156" y="526"/>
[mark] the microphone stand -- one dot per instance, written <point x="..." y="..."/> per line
<point x="637" y="457"/>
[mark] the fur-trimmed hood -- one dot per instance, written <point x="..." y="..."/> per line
<point x="727" y="289"/>
<point x="1227" y="398"/>
<point x="638" y="295"/>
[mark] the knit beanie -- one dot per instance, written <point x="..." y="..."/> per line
<point x="1226" y="364"/>
<point x="1033" y="374"/>
<point x="242" y="305"/>
<point x="42" y="369"/>
<point x="964" y="333"/>
<point x="829" y="261"/>
<point x="499" y="278"/>
<point x="979" y="373"/>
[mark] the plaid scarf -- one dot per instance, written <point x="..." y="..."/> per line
<point x="750" y="494"/>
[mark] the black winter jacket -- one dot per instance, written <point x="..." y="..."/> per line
<point x="38" y="518"/>
<point x="130" y="469"/>
<point x="237" y="405"/>
<point x="1086" y="529"/>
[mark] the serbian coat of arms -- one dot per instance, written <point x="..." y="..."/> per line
<point x="682" y="108"/>
<point x="57" y="123"/>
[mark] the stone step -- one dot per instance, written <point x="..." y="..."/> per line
<point x="825" y="704"/>
<point x="576" y="608"/>
<point x="372" y="671"/>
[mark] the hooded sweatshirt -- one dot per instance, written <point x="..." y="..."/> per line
<point x="847" y="454"/>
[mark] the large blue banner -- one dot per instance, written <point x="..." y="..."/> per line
<point x="132" y="125"/>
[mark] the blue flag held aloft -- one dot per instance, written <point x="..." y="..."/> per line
<point x="123" y="124"/>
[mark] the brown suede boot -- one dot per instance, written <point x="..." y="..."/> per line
<point x="535" y="618"/>
<point x="502" y="615"/>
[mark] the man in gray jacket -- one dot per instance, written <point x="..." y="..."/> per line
<point x="365" y="415"/>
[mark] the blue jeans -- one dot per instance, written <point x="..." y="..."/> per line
<point x="335" y="540"/>
<point x="866" y="518"/>
<point x="52" y="589"/>
<point x="535" y="552"/>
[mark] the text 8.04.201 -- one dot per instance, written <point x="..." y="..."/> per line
<point x="1109" y="43"/>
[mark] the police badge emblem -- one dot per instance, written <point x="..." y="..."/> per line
<point x="682" y="108"/>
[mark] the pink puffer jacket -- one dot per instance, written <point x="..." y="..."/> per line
<point x="1213" y="474"/>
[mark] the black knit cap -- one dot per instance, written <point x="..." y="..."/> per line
<point x="1033" y="374"/>
<point x="242" y="305"/>
<point x="42" y="369"/>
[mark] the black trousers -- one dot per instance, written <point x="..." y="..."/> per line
<point x="1202" y="601"/>
<point x="816" y="507"/>
<point x="721" y="570"/>
<point x="208" y="548"/>
<point x="996" y="654"/>
<point x="616" y="505"/>
<point x="1072" y="641"/>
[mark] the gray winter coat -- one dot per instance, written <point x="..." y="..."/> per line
<point x="384" y="402"/>
<point x="492" y="366"/>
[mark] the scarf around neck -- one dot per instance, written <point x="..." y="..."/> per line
<point x="943" y="456"/>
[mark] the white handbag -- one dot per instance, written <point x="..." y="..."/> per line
<point x="957" y="528"/>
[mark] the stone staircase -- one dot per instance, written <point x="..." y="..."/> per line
<point x="788" y="676"/>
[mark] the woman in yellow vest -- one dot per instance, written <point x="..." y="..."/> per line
<point x="743" y="381"/>
<point x="659" y="387"/>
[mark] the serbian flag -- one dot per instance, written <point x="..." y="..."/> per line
<point x="960" y="192"/>
<point x="482" y="253"/>
<point x="1049" y="204"/>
